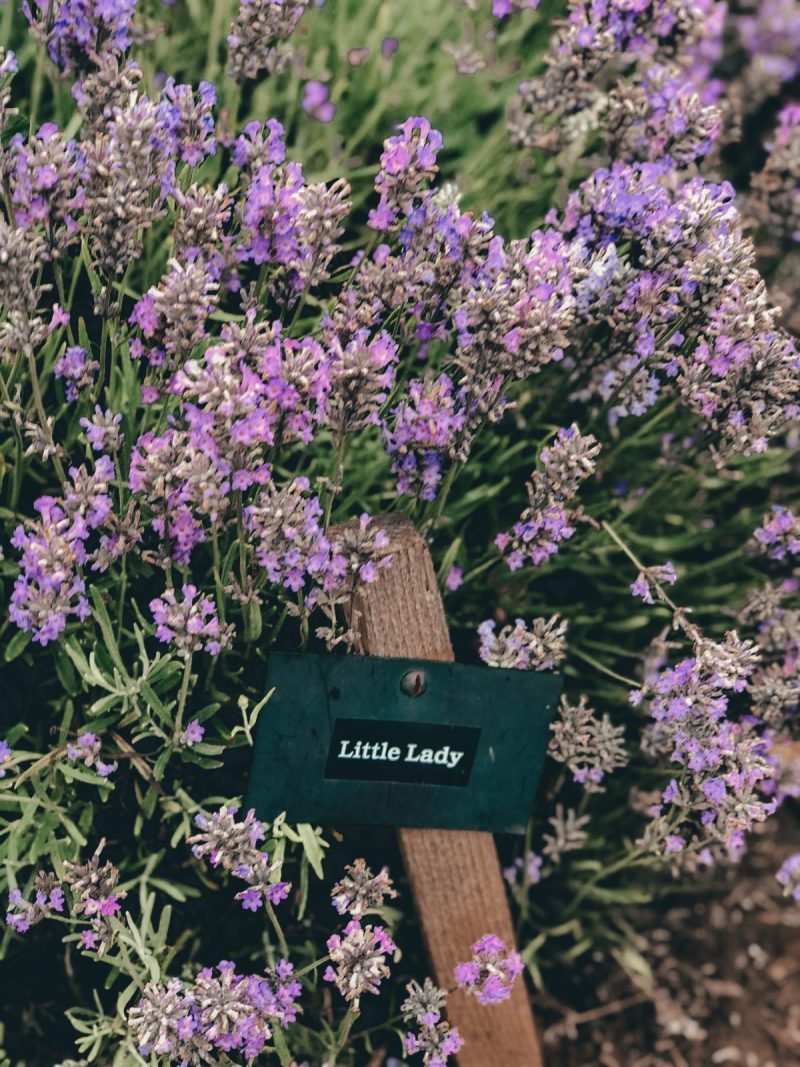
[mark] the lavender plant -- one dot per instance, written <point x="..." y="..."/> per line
<point x="237" y="308"/>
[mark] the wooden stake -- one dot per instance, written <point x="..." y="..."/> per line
<point x="455" y="875"/>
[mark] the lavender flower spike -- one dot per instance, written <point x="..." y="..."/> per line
<point x="489" y="975"/>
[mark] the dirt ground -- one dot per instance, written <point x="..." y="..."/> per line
<point x="726" y="979"/>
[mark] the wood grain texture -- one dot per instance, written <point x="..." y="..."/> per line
<point x="455" y="876"/>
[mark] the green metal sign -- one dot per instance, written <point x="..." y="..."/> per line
<point x="394" y="742"/>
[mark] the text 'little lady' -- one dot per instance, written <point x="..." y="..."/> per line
<point x="410" y="753"/>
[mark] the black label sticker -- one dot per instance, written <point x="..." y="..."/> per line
<point x="427" y="753"/>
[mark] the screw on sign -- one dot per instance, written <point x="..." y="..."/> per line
<point x="413" y="683"/>
<point x="455" y="875"/>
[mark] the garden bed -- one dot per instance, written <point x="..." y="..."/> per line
<point x="454" y="331"/>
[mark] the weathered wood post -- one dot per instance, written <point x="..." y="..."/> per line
<point x="455" y="875"/>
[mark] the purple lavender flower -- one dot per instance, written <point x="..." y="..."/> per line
<point x="258" y="145"/>
<point x="180" y="481"/>
<point x="172" y="315"/>
<point x="779" y="534"/>
<point x="48" y="897"/>
<point x="770" y="33"/>
<point x="502" y="8"/>
<point x="661" y="116"/>
<point x="290" y="223"/>
<point x="225" y="1011"/>
<point x="528" y="870"/>
<point x="188" y="122"/>
<point x="361" y="375"/>
<point x="193" y="734"/>
<point x="50" y="588"/>
<point x="190" y="622"/>
<point x="8" y="62"/>
<point x="45" y="185"/>
<point x="489" y="975"/>
<point x="423" y="429"/>
<point x="454" y="579"/>
<point x="408" y="164"/>
<point x="789" y="876"/>
<point x="102" y="430"/>
<point x="202" y="226"/>
<point x="562" y="102"/>
<point x="546" y="521"/>
<point x="234" y="846"/>
<point x="86" y="750"/>
<point x="726" y="762"/>
<point x="77" y="371"/>
<point x="6" y="756"/>
<point x="660" y="573"/>
<point x="317" y="103"/>
<point x="81" y="29"/>
<point x="697" y="316"/>
<point x="94" y="898"/>
<point x="291" y="545"/>
<point x="775" y="198"/>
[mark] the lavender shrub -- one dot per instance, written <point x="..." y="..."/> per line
<point x="237" y="310"/>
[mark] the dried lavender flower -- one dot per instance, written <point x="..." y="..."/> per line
<point x="172" y="315"/>
<point x="358" y="958"/>
<point x="127" y="170"/>
<point x="20" y="251"/>
<point x="521" y="648"/>
<point x="254" y="35"/>
<point x="217" y="1013"/>
<point x="774" y="201"/>
<point x="568" y="834"/>
<point x="591" y="747"/>
<point x="106" y="87"/>
<point x="361" y="890"/>
<point x="423" y="1000"/>
<point x="430" y="1035"/>
<point x="48" y="897"/>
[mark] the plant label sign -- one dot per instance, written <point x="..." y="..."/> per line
<point x="365" y="740"/>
